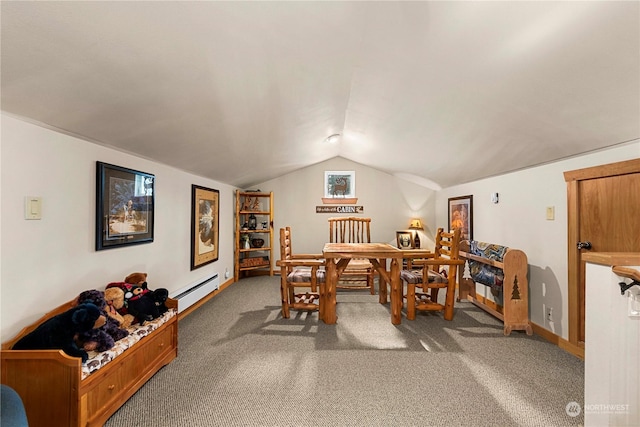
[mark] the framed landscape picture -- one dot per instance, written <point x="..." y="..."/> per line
<point x="205" y="225"/>
<point x="124" y="206"/>
<point x="461" y="216"/>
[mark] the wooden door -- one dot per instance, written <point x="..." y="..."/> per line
<point x="604" y="210"/>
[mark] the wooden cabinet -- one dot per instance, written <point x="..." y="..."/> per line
<point x="254" y="234"/>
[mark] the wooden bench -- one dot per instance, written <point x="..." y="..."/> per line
<point x="508" y="266"/>
<point x="52" y="386"/>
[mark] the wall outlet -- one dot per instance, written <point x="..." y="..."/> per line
<point x="226" y="273"/>
<point x="549" y="314"/>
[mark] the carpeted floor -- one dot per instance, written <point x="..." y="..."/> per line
<point x="241" y="364"/>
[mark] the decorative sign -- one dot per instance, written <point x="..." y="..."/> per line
<point x="339" y="209"/>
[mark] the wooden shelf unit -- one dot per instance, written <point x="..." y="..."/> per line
<point x="265" y="252"/>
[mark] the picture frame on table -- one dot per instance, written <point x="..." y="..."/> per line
<point x="461" y="216"/>
<point x="205" y="225"/>
<point x="404" y="240"/>
<point x="125" y="200"/>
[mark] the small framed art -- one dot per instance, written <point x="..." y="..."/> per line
<point x="124" y="206"/>
<point x="339" y="184"/>
<point x="461" y="216"/>
<point x="404" y="239"/>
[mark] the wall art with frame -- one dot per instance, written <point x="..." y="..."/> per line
<point x="339" y="184"/>
<point x="124" y="206"/>
<point x="461" y="216"/>
<point x="205" y="225"/>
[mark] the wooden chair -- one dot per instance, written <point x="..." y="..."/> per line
<point x="299" y="271"/>
<point x="353" y="230"/>
<point x="423" y="284"/>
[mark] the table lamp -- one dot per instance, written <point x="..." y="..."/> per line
<point x="416" y="225"/>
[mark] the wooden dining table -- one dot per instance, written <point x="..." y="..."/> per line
<point x="338" y="255"/>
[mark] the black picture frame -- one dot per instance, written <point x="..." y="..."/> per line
<point x="461" y="216"/>
<point x="205" y="225"/>
<point x="125" y="200"/>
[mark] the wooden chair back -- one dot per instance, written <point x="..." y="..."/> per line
<point x="285" y="243"/>
<point x="349" y="230"/>
<point x="360" y="273"/>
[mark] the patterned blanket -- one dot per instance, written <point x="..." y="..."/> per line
<point x="483" y="273"/>
<point x="136" y="332"/>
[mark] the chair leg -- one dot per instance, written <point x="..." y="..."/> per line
<point x="284" y="295"/>
<point x="370" y="282"/>
<point x="411" y="301"/>
<point x="449" y="300"/>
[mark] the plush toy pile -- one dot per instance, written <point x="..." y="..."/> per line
<point x="103" y="338"/>
<point x="99" y="318"/>
<point x="60" y="331"/>
<point x="140" y="302"/>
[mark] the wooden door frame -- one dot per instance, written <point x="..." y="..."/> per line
<point x="573" y="178"/>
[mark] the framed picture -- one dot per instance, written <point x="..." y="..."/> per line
<point x="461" y="215"/>
<point x="339" y="184"/>
<point x="205" y="222"/>
<point x="124" y="206"/>
<point x="404" y="239"/>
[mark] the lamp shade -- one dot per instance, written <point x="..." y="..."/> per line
<point x="415" y="224"/>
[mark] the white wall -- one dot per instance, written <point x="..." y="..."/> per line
<point x="611" y="369"/>
<point x="390" y="202"/>
<point x="49" y="261"/>
<point x="519" y="221"/>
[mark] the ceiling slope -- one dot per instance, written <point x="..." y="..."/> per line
<point x="243" y="92"/>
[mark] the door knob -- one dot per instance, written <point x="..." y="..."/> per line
<point x="584" y="245"/>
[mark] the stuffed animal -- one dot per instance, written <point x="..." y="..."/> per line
<point x="139" y="301"/>
<point x="114" y="297"/>
<point x="159" y="296"/>
<point x="59" y="332"/>
<point x="104" y="338"/>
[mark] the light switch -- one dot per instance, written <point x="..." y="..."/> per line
<point x="32" y="207"/>
<point x="551" y="213"/>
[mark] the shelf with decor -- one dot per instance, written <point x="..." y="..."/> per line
<point x="254" y="234"/>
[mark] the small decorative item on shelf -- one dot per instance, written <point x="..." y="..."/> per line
<point x="264" y="225"/>
<point x="245" y="242"/>
<point x="253" y="222"/>
<point x="256" y="205"/>
<point x="257" y="243"/>
<point x="246" y="205"/>
<point x="245" y="226"/>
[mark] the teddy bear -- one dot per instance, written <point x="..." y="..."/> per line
<point x="159" y="296"/>
<point x="114" y="297"/>
<point x="139" y="301"/>
<point x="60" y="331"/>
<point x="104" y="338"/>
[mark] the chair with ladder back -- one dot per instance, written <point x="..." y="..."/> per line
<point x="359" y="273"/>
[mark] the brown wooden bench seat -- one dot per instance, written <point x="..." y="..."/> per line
<point x="58" y="389"/>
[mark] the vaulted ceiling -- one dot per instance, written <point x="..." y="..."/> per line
<point x="439" y="93"/>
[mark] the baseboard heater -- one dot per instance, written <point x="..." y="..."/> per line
<point x="193" y="293"/>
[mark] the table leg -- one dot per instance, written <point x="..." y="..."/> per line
<point x="328" y="303"/>
<point x="382" y="283"/>
<point x="396" y="293"/>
